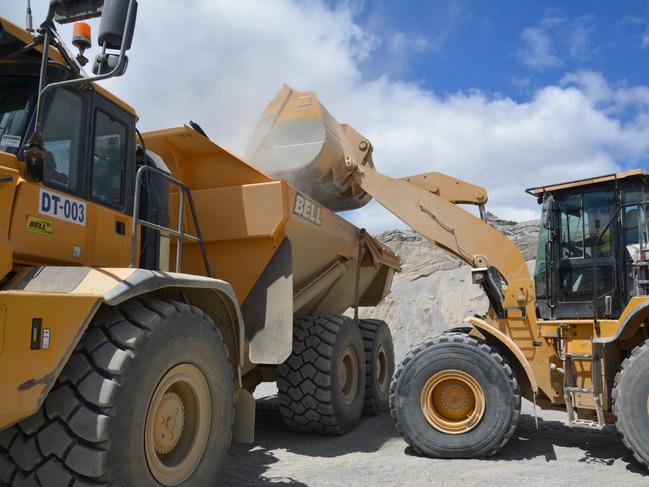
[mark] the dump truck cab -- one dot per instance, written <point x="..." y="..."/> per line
<point x="591" y="256"/>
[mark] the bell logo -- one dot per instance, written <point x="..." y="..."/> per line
<point x="40" y="226"/>
<point x="307" y="209"/>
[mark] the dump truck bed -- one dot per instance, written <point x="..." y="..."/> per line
<point x="245" y="216"/>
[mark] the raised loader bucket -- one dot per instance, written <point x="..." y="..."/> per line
<point x="298" y="139"/>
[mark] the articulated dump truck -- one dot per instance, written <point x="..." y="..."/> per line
<point x="148" y="283"/>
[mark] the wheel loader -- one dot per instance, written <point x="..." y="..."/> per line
<point x="149" y="282"/>
<point x="573" y="337"/>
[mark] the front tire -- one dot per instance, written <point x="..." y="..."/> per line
<point x="455" y="397"/>
<point x="92" y="429"/>
<point x="631" y="402"/>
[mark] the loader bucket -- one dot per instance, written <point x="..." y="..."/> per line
<point x="297" y="139"/>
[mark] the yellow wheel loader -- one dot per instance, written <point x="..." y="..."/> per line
<point x="149" y="282"/>
<point x="574" y="337"/>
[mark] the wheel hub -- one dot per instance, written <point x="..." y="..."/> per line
<point x="349" y="375"/>
<point x="171" y="419"/>
<point x="382" y="379"/>
<point x="177" y="424"/>
<point x="452" y="401"/>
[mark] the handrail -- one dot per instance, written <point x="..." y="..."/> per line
<point x="180" y="232"/>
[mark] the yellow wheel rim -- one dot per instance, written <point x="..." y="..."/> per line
<point x="452" y="402"/>
<point x="349" y="375"/>
<point x="177" y="424"/>
<point x="381" y="373"/>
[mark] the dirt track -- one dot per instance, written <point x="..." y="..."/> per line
<point x="374" y="454"/>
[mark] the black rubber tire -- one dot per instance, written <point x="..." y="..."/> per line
<point x="631" y="402"/>
<point x="476" y="358"/>
<point x="376" y="333"/>
<point x="308" y="381"/>
<point x="90" y="430"/>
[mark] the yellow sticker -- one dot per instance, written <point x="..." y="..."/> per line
<point x="38" y="225"/>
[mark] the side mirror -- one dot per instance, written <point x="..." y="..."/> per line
<point x="548" y="207"/>
<point x="105" y="63"/>
<point x="34" y="160"/>
<point x="113" y="31"/>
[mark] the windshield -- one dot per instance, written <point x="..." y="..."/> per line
<point x="17" y="100"/>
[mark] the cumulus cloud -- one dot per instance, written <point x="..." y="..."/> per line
<point x="219" y="63"/>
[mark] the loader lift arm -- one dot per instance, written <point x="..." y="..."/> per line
<point x="429" y="204"/>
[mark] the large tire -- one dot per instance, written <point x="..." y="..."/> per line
<point x="631" y="402"/>
<point x="322" y="384"/>
<point x="379" y="365"/>
<point x="455" y="397"/>
<point x="91" y="429"/>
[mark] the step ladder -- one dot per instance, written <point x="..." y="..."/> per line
<point x="570" y="389"/>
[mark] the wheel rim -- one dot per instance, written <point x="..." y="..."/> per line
<point x="452" y="402"/>
<point x="177" y="424"/>
<point x="349" y="375"/>
<point x="382" y="378"/>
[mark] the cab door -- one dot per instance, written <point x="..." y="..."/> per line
<point x="110" y="183"/>
<point x="49" y="224"/>
<point x="586" y="254"/>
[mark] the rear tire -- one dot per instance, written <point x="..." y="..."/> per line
<point x="455" y="397"/>
<point x="379" y="365"/>
<point x="92" y="428"/>
<point x="322" y="384"/>
<point x="631" y="402"/>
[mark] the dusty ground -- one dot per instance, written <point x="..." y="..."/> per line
<point x="374" y="454"/>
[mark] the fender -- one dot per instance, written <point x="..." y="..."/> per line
<point x="506" y="341"/>
<point x="635" y="313"/>
<point x="45" y="311"/>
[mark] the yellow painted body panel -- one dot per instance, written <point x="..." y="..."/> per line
<point x="97" y="242"/>
<point x="9" y="176"/>
<point x="26" y="375"/>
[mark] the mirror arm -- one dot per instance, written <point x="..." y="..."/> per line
<point x="34" y="153"/>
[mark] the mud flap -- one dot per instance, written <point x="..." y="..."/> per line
<point x="243" y="429"/>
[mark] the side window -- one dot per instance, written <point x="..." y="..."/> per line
<point x="108" y="160"/>
<point x="540" y="269"/>
<point x="583" y="217"/>
<point x="62" y="138"/>
<point x="572" y="227"/>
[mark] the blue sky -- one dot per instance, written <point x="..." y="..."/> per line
<point x="505" y="94"/>
<point x="509" y="46"/>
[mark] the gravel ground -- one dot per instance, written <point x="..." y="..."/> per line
<point x="375" y="454"/>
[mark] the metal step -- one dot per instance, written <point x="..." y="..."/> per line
<point x="578" y="390"/>
<point x="585" y="423"/>
<point x="579" y="355"/>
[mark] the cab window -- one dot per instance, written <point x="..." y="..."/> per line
<point x="108" y="160"/>
<point x="62" y="139"/>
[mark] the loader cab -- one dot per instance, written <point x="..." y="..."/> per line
<point x="592" y="250"/>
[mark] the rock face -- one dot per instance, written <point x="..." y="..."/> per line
<point x="434" y="292"/>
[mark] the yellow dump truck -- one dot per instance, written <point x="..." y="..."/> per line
<point x="148" y="282"/>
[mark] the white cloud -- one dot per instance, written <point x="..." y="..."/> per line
<point x="223" y="69"/>
<point x="645" y="38"/>
<point x="537" y="49"/>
